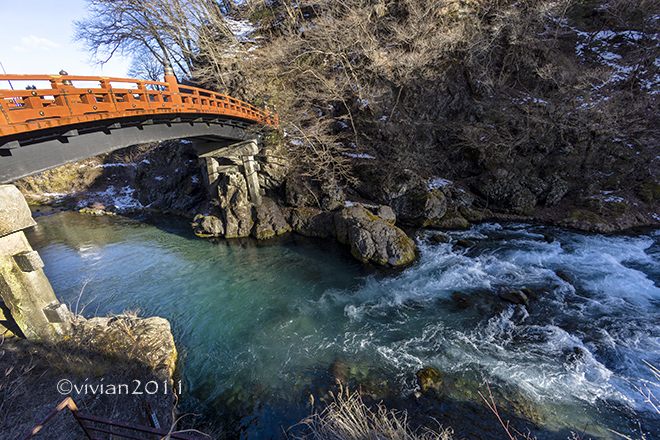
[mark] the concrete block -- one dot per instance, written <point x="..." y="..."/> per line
<point x="15" y="214"/>
<point x="25" y="294"/>
<point x="29" y="261"/>
<point x="57" y="313"/>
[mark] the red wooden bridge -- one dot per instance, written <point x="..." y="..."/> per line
<point x="75" y="117"/>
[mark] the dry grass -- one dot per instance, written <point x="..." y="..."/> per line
<point x="348" y="418"/>
<point x="116" y="350"/>
<point x="648" y="389"/>
<point x="13" y="380"/>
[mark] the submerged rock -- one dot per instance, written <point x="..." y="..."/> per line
<point x="429" y="378"/>
<point x="96" y="211"/>
<point x="372" y="239"/>
<point x="514" y="296"/>
<point x="529" y="292"/>
<point x="440" y="238"/>
<point x="463" y="244"/>
<point x="461" y="300"/>
<point x="563" y="276"/>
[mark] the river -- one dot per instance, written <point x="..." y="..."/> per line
<point x="261" y="327"/>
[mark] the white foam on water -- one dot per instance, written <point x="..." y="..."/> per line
<point x="586" y="345"/>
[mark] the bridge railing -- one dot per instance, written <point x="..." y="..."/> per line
<point x="64" y="103"/>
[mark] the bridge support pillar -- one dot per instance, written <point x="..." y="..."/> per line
<point x="239" y="157"/>
<point x="252" y="179"/>
<point x="24" y="288"/>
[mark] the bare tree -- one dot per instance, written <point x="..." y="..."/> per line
<point x="171" y="30"/>
<point x="145" y="65"/>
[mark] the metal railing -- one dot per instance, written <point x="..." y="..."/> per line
<point x="111" y="428"/>
<point x="65" y="104"/>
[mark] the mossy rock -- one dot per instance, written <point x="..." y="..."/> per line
<point x="373" y="239"/>
<point x="462" y="243"/>
<point x="429" y="378"/>
<point x="208" y="226"/>
<point x="586" y="221"/>
<point x="452" y="220"/>
<point x="440" y="238"/>
<point x="461" y="300"/>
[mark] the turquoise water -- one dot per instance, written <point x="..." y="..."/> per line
<point x="261" y="327"/>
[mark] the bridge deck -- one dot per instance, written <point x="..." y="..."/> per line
<point x="63" y="104"/>
<point x="69" y="118"/>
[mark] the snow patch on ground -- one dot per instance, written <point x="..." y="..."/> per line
<point x="605" y="45"/>
<point x="359" y="155"/>
<point x="110" y="165"/>
<point x="56" y="196"/>
<point x="606" y="196"/>
<point x="242" y="29"/>
<point x="348" y="204"/>
<point x="122" y="198"/>
<point x="439" y="182"/>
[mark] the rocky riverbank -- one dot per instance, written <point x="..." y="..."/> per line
<point x="119" y="367"/>
<point x="367" y="214"/>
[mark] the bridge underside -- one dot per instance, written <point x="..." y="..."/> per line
<point x="35" y="152"/>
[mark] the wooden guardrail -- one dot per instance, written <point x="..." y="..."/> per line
<point x="66" y="104"/>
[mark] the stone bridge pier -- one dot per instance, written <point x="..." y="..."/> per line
<point x="221" y="158"/>
<point x="28" y="298"/>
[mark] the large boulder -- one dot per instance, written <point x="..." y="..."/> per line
<point x="421" y="206"/>
<point x="269" y="220"/>
<point x="417" y="201"/>
<point x="206" y="225"/>
<point x="373" y="239"/>
<point x="453" y="219"/>
<point x="146" y="341"/>
<point x="302" y="191"/>
<point x="311" y="222"/>
<point x="382" y="183"/>
<point x="558" y="188"/>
